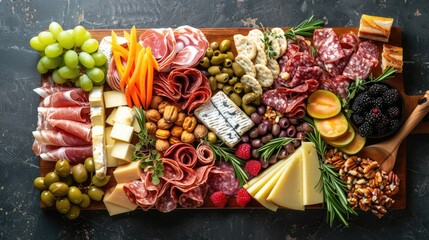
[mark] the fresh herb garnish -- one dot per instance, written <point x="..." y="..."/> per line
<point x="334" y="189"/>
<point x="153" y="162"/>
<point x="274" y="146"/>
<point x="227" y="154"/>
<point x="146" y="142"/>
<point x="268" y="41"/>
<point x="359" y="84"/>
<point x="306" y="28"/>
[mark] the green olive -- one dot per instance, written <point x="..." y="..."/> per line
<point x="86" y="201"/>
<point x="230" y="55"/>
<point x="205" y="62"/>
<point x="238" y="70"/>
<point x="235" y="98"/>
<point x="213" y="83"/>
<point x="95" y="193"/>
<point x="211" y="137"/>
<point x="74" y="195"/>
<point x="59" y="189"/>
<point x="63" y="205"/>
<point x="250" y="98"/>
<point x="213" y="70"/>
<point x="228" y="71"/>
<point x="209" y="52"/>
<point x="224" y="45"/>
<point x="227" y="62"/>
<point x="247" y="89"/>
<point x="100" y="182"/>
<point x="238" y="87"/>
<point x="68" y="180"/>
<point x="217" y="60"/>
<point x="50" y="178"/>
<point x="233" y="81"/>
<point x="222" y="77"/>
<point x="227" y="89"/>
<point x="214" y="45"/>
<point x="39" y="183"/>
<point x="73" y="213"/>
<point x="216" y="53"/>
<point x="47" y="199"/>
<point x="62" y="168"/>
<point x="89" y="164"/>
<point x="220" y="85"/>
<point x="79" y="173"/>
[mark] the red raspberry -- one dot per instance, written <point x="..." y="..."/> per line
<point x="219" y="199"/>
<point x="253" y="167"/>
<point x="243" y="151"/>
<point x="243" y="197"/>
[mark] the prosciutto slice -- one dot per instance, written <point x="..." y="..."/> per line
<point x="75" y="97"/>
<point x="58" y="138"/>
<point x="163" y="45"/>
<point x="41" y="148"/>
<point x="78" y="129"/>
<point x="48" y="89"/>
<point x="78" y="114"/>
<point x="191" y="45"/>
<point x="74" y="155"/>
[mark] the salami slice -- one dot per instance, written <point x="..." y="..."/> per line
<point x="330" y="49"/>
<point x="320" y="34"/>
<point x="299" y="59"/>
<point x="368" y="50"/>
<point x="358" y="67"/>
<point x="192" y="198"/>
<point x="305" y="73"/>
<point x="166" y="203"/>
<point x="349" y="41"/>
<point x="172" y="171"/>
<point x="135" y="190"/>
<point x="184" y="153"/>
<point x="205" y="155"/>
<point x="340" y="84"/>
<point x="222" y="178"/>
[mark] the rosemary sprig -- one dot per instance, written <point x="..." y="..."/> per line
<point x="274" y="146"/>
<point x="153" y="162"/>
<point x="146" y="142"/>
<point x="227" y="154"/>
<point x="334" y="189"/>
<point x="359" y="84"/>
<point x="268" y="41"/>
<point x="306" y="28"/>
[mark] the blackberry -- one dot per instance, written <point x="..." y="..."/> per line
<point x="393" y="112"/>
<point x="377" y="90"/>
<point x="394" y="124"/>
<point x="382" y="125"/>
<point x="365" y="129"/>
<point x="378" y="103"/>
<point x="362" y="99"/>
<point x="358" y="119"/>
<point x="357" y="107"/>
<point x="374" y="116"/>
<point x="390" y="96"/>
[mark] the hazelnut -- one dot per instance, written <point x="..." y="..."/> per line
<point x="170" y="114"/>
<point x="161" y="145"/>
<point x="189" y="124"/>
<point x="153" y="116"/>
<point x="180" y="119"/>
<point x="162" y="124"/>
<point x="176" y="131"/>
<point x="200" y="131"/>
<point x="162" y="106"/>
<point x="162" y="134"/>
<point x="187" y="137"/>
<point x="174" y="140"/>
<point x="151" y="128"/>
<point x="156" y="101"/>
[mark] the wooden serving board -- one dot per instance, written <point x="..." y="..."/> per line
<point x="218" y="34"/>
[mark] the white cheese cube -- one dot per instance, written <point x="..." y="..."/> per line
<point x="97" y="116"/>
<point x="111" y="161"/>
<point x="114" y="99"/>
<point x="123" y="150"/>
<point x="96" y="97"/>
<point x="109" y="140"/>
<point x="124" y="115"/>
<point x="122" y="132"/>
<point x="97" y="131"/>
<point x="111" y="117"/>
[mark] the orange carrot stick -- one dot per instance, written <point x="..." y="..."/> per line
<point x="137" y="69"/>
<point x="131" y="58"/>
<point x="135" y="96"/>
<point x="143" y="76"/>
<point x="149" y="81"/>
<point x="128" y="97"/>
<point x="118" y="61"/>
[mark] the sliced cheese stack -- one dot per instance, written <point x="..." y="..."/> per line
<point x="223" y="117"/>
<point x="375" y="28"/>
<point x="98" y="135"/>
<point x="291" y="182"/>
<point x="115" y="199"/>
<point x="392" y="57"/>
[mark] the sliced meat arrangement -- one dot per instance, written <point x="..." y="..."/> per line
<point x="185" y="85"/>
<point x="63" y="128"/>
<point x="184" y="181"/>
<point x="181" y="48"/>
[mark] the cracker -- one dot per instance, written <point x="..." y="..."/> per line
<point x="274" y="67"/>
<point x="248" y="80"/>
<point x="264" y="75"/>
<point x="246" y="64"/>
<point x="261" y="56"/>
<point x="275" y="47"/>
<point x="257" y="36"/>
<point x="280" y="36"/>
<point x="245" y="46"/>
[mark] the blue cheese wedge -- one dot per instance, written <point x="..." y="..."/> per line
<point x="210" y="116"/>
<point x="239" y="121"/>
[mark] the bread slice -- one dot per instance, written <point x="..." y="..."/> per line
<point x="375" y="28"/>
<point x="392" y="57"/>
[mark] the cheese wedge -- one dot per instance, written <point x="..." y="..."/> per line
<point x="127" y="173"/>
<point x="110" y="118"/>
<point x="111" y="161"/>
<point x="114" y="99"/>
<point x="113" y="208"/>
<point x="375" y="28"/>
<point x="119" y="197"/>
<point x="312" y="190"/>
<point x="123" y="151"/>
<point x="288" y="191"/>
<point x="107" y="132"/>
<point x="392" y="57"/>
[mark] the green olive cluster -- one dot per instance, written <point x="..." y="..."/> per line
<point x="223" y="72"/>
<point x="71" y="188"/>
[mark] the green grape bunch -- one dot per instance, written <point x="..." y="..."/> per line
<point x="70" y="56"/>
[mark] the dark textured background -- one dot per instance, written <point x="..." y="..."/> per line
<point x="20" y="216"/>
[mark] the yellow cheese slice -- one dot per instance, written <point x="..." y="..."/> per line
<point x="288" y="190"/>
<point x="109" y="140"/>
<point x="114" y="99"/>
<point x="110" y="118"/>
<point x="254" y="187"/>
<point x="111" y="161"/>
<point x="112" y="208"/>
<point x="312" y="190"/>
<point x="127" y="173"/>
<point x="119" y="197"/>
